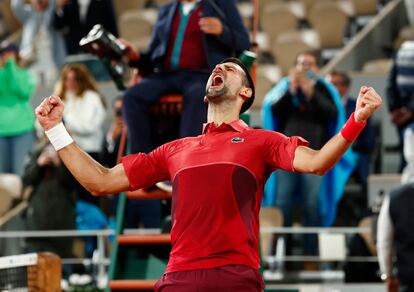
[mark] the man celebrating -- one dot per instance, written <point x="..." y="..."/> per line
<point x="217" y="177"/>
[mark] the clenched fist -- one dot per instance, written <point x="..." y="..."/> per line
<point x="368" y="102"/>
<point x="50" y="112"/>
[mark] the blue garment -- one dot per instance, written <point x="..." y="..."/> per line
<point x="13" y="152"/>
<point x="31" y="21"/>
<point x="234" y="37"/>
<point x="333" y="183"/>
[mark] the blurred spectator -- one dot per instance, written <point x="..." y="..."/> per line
<point x="364" y="144"/>
<point x="17" y="86"/>
<point x="302" y="104"/>
<point x="52" y="201"/>
<point x="112" y="139"/>
<point x="36" y="17"/>
<point x="400" y="90"/>
<point x="75" y="18"/>
<point x="408" y="171"/>
<point x="395" y="237"/>
<point x="394" y="232"/>
<point x="84" y="112"/>
<point x="189" y="39"/>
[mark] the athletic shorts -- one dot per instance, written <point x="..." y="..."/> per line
<point x="238" y="278"/>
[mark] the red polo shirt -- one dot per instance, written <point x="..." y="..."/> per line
<point x="218" y="179"/>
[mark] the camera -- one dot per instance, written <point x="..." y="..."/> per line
<point x="109" y="50"/>
<point x="102" y="43"/>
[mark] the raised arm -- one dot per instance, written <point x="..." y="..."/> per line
<point x="321" y="161"/>
<point x="93" y="176"/>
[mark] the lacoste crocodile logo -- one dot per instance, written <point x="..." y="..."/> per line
<point x="237" y="140"/>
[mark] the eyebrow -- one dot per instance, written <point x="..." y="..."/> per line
<point x="232" y="65"/>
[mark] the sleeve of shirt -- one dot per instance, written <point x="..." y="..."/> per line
<point x="385" y="234"/>
<point x="279" y="150"/>
<point x="144" y="170"/>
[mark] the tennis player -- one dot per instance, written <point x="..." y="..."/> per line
<point x="218" y="178"/>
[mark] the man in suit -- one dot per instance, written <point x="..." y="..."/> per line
<point x="75" y="18"/>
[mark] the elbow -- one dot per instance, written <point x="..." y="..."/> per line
<point x="100" y="190"/>
<point x="321" y="171"/>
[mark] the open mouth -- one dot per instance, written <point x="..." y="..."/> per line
<point x="217" y="81"/>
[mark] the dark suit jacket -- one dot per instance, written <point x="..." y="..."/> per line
<point x="234" y="38"/>
<point x="69" y="23"/>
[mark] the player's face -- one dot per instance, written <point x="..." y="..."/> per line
<point x="225" y="80"/>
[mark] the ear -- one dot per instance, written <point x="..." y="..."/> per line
<point x="205" y="99"/>
<point x="246" y="93"/>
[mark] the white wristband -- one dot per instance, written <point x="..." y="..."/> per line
<point x="59" y="137"/>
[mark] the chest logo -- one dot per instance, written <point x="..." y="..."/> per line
<point x="237" y="140"/>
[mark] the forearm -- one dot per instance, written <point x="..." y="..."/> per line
<point x="90" y="174"/>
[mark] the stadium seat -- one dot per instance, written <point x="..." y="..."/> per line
<point x="286" y="50"/>
<point x="276" y="19"/>
<point x="135" y="27"/>
<point x="330" y="21"/>
<point x="122" y="6"/>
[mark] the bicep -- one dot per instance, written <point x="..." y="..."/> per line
<point x="303" y="161"/>
<point x="116" y="179"/>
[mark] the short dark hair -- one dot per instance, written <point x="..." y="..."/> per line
<point x="345" y="80"/>
<point x="312" y="53"/>
<point x="247" y="80"/>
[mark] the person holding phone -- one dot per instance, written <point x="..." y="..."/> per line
<point x="305" y="105"/>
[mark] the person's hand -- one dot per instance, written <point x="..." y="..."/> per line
<point x="401" y="116"/>
<point x="211" y="25"/>
<point x="293" y="80"/>
<point x="50" y="112"/>
<point x="392" y="284"/>
<point x="367" y="104"/>
<point x="132" y="53"/>
<point x="61" y="3"/>
<point x="307" y="86"/>
<point x="48" y="157"/>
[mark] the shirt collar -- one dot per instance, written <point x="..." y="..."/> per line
<point x="237" y="125"/>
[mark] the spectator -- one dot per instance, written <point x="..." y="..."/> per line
<point x="305" y="105"/>
<point x="52" y="201"/>
<point x="400" y="91"/>
<point x="408" y="171"/>
<point x="85" y="112"/>
<point x="112" y="139"/>
<point x="37" y="16"/>
<point x="364" y="145"/>
<point x="394" y="232"/>
<point x="75" y="18"/>
<point x="395" y="236"/>
<point x="17" y="86"/>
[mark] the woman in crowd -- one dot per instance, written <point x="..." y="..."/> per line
<point x="17" y="86"/>
<point x="84" y="111"/>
